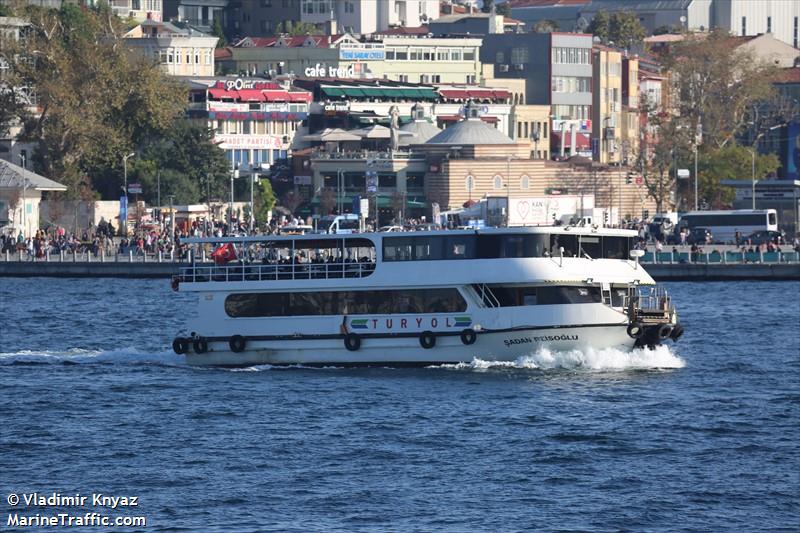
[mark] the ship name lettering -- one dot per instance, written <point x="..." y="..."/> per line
<point x="419" y="322"/>
<point x="434" y="323"/>
<point x="544" y="338"/>
<point x="403" y="323"/>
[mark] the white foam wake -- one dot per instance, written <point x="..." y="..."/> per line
<point x="81" y="356"/>
<point x="606" y="360"/>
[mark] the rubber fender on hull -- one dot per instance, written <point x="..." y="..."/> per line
<point x="237" y="343"/>
<point x="180" y="345"/>
<point x="664" y="331"/>
<point x="427" y="339"/>
<point x="635" y="330"/>
<point x="468" y="336"/>
<point x="200" y="345"/>
<point x="352" y="342"/>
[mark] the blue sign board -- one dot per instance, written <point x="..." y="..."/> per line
<point x="595" y="148"/>
<point x="357" y="205"/>
<point x="362" y="55"/>
<point x="123" y="209"/>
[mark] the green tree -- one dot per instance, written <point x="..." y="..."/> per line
<point x="659" y="159"/>
<point x="731" y="162"/>
<point x="718" y="85"/>
<point x="622" y="28"/>
<point x="96" y="100"/>
<point x="545" y="26"/>
<point x="264" y="201"/>
<point x="219" y="33"/>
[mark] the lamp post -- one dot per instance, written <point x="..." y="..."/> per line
<point x="508" y="188"/>
<point x="24" y="197"/>
<point x="253" y="178"/>
<point x="125" y="158"/>
<point x="234" y="175"/>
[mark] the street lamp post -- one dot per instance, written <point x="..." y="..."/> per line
<point x="125" y="158"/>
<point x="753" y="154"/>
<point x="24" y="197"/>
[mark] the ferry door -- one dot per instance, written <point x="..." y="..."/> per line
<point x="607" y="294"/>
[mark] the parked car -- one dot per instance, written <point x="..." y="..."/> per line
<point x="764" y="237"/>
<point x="390" y="228"/>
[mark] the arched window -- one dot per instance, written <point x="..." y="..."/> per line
<point x="470" y="183"/>
<point x="498" y="181"/>
<point x="525" y="182"/>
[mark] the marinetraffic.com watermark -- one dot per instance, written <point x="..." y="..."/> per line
<point x="36" y="510"/>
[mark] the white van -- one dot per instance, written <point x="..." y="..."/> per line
<point x="341" y="224"/>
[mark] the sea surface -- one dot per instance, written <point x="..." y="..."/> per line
<point x="700" y="436"/>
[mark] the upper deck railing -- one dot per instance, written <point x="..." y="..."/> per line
<point x="200" y="273"/>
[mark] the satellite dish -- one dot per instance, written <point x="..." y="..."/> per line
<point x="581" y="24"/>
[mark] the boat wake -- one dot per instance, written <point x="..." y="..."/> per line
<point x="591" y="360"/>
<point x="82" y="356"/>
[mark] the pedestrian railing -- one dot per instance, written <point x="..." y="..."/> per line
<point x="728" y="257"/>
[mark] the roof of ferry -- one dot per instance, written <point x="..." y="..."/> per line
<point x="567" y="230"/>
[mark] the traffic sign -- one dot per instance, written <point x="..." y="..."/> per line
<point x="134" y="188"/>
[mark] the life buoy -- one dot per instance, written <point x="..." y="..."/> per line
<point x="237" y="343"/>
<point x="468" y="336"/>
<point x="677" y="333"/>
<point x="635" y="330"/>
<point x="180" y="345"/>
<point x="427" y="339"/>
<point x="352" y="342"/>
<point x="664" y="331"/>
<point x="200" y="345"/>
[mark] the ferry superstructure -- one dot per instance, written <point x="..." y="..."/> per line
<point x="421" y="298"/>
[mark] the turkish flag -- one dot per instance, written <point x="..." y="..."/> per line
<point x="224" y="254"/>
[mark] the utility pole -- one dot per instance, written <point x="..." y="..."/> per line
<point x="253" y="177"/>
<point x="158" y="177"/>
<point x="24" y="197"/>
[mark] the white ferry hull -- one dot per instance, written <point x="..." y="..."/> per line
<point x="395" y="351"/>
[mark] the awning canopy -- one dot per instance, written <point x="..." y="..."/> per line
<point x="476" y="93"/>
<point x="220" y="94"/>
<point x="582" y="140"/>
<point x="251" y="95"/>
<point x="381" y="92"/>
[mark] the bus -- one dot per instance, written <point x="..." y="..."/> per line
<point x="723" y="225"/>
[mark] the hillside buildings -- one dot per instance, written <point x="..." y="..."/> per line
<point x="181" y="51"/>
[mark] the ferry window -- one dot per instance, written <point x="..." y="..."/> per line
<point x="772" y="219"/>
<point x="460" y="247"/>
<point x="413" y="301"/>
<point x="590" y="245"/>
<point x="568" y="295"/>
<point x="528" y="296"/>
<point x="616" y="247"/>
<point x="488" y="247"/>
<point x="398" y="249"/>
<point x="428" y="248"/>
<point x="568" y="242"/>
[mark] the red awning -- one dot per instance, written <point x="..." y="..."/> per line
<point x="481" y="93"/>
<point x="222" y="93"/>
<point x="276" y="96"/>
<point x="454" y="94"/>
<point x="582" y="140"/>
<point x="300" y="97"/>
<point x="502" y="94"/>
<point x="250" y="95"/>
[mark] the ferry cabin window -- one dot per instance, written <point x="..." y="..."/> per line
<point x="590" y="245"/>
<point x="504" y="246"/>
<point x="514" y="296"/>
<point x="568" y="242"/>
<point x="416" y="301"/>
<point x="429" y="248"/>
<point x="616" y="247"/>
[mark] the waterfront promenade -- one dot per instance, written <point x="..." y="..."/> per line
<point x="722" y="263"/>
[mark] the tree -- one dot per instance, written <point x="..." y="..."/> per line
<point x="621" y="28"/>
<point x="487" y="6"/>
<point x="296" y="28"/>
<point x="96" y="100"/>
<point x="265" y="200"/>
<point x="717" y="85"/>
<point x="545" y="26"/>
<point x="658" y="159"/>
<point x="731" y="162"/>
<point x="217" y="32"/>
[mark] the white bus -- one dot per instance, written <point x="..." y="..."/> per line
<point x="723" y="225"/>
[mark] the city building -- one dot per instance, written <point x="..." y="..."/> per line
<point x="565" y="13"/>
<point x="11" y="148"/>
<point x="200" y="14"/>
<point x="260" y="17"/>
<point x="557" y="69"/>
<point x="181" y="51"/>
<point x="399" y="58"/>
<point x="138" y="10"/>
<point x="763" y="47"/>
<point x="473" y="24"/>
<point x="607" y="104"/>
<point x="20" y="196"/>
<point x="367" y="16"/>
<point x="253" y="120"/>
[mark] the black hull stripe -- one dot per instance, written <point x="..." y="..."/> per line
<point x="326" y="336"/>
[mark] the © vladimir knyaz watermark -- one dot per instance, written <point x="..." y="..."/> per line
<point x="34" y="509"/>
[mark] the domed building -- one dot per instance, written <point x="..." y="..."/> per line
<point x="420" y="128"/>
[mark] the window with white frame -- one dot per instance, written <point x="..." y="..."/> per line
<point x="498" y="182"/>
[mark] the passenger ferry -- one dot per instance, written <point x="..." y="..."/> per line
<point x="420" y="298"/>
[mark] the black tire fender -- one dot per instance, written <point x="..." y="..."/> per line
<point x="180" y="345"/>
<point x="635" y="330"/>
<point x="237" y="343"/>
<point x="352" y="342"/>
<point x="200" y="345"/>
<point x="664" y="331"/>
<point x="468" y="336"/>
<point x="427" y="339"/>
<point x="677" y="333"/>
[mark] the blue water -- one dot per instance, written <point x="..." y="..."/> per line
<point x="703" y="436"/>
